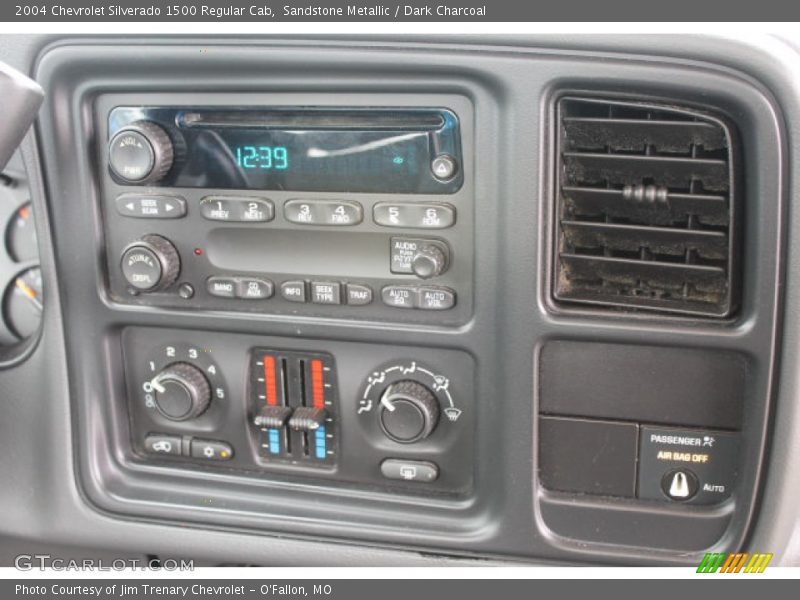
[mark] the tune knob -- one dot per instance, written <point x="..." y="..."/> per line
<point x="181" y="392"/>
<point x="409" y="411"/>
<point x="151" y="263"/>
<point x="140" y="153"/>
<point x="429" y="261"/>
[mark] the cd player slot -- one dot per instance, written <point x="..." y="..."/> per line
<point x="323" y="119"/>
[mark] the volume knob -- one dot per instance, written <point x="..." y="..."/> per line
<point x="429" y="261"/>
<point x="181" y="392"/>
<point x="140" y="153"/>
<point x="151" y="263"/>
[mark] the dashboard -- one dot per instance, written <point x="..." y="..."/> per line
<point x="390" y="301"/>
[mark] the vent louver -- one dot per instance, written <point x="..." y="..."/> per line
<point x="645" y="207"/>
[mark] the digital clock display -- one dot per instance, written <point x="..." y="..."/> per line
<point x="262" y="157"/>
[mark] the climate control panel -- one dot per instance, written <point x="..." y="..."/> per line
<point x="299" y="408"/>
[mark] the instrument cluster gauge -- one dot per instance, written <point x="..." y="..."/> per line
<point x="20" y="275"/>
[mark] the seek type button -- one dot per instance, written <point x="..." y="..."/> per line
<point x="325" y="292"/>
<point x="686" y="465"/>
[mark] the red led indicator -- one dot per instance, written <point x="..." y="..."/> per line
<point x="270" y="381"/>
<point x="198" y="251"/>
<point x="317" y="388"/>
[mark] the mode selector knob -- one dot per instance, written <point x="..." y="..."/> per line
<point x="429" y="261"/>
<point x="151" y="263"/>
<point x="409" y="411"/>
<point x="181" y="392"/>
<point x="140" y="153"/>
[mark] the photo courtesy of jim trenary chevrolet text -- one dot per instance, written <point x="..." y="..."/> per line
<point x="343" y="299"/>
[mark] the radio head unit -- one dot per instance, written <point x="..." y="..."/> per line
<point x="403" y="151"/>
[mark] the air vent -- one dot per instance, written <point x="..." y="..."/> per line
<point x="645" y="208"/>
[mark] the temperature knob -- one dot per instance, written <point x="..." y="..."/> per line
<point x="181" y="392"/>
<point x="409" y="411"/>
<point x="151" y="263"/>
<point x="140" y="153"/>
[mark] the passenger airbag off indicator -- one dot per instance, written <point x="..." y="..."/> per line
<point x="687" y="465"/>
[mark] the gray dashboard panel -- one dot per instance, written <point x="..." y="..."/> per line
<point x="514" y="330"/>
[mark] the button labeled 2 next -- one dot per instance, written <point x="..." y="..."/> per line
<point x="323" y="212"/>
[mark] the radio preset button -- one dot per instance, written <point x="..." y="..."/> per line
<point x="237" y="210"/>
<point x="414" y="215"/>
<point x="323" y="212"/>
<point x="294" y="291"/>
<point x="221" y="287"/>
<point x="254" y="289"/>
<point x="399" y="296"/>
<point x="326" y="292"/>
<point x="358" y="295"/>
<point x="151" y="207"/>
<point x="430" y="298"/>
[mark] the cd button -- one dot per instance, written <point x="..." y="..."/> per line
<point x="358" y="295"/>
<point x="414" y="216"/>
<point x="221" y="287"/>
<point x="399" y="296"/>
<point x="294" y="291"/>
<point x="254" y="289"/>
<point x="324" y="292"/>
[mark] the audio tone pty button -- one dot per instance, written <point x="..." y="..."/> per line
<point x="221" y="287"/>
<point x="323" y="212"/>
<point x="294" y="291"/>
<point x="414" y="215"/>
<point x="326" y="292"/>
